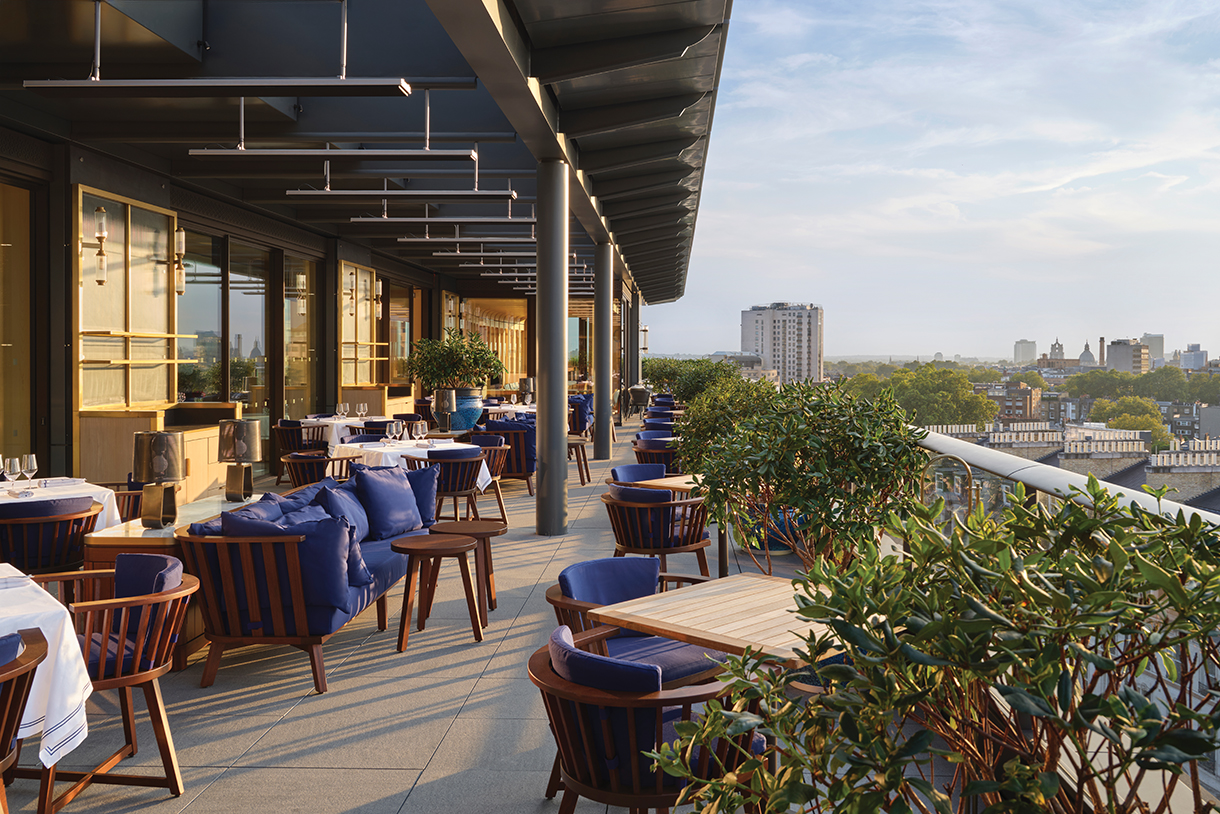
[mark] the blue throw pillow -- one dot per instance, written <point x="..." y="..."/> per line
<point x="10" y="648"/>
<point x="600" y="672"/>
<point x="344" y="503"/>
<point x="423" y="484"/>
<point x="139" y="574"/>
<point x="262" y="510"/>
<point x="323" y="554"/>
<point x="637" y="494"/>
<point x="306" y="515"/>
<point x="305" y="495"/>
<point x="389" y="502"/>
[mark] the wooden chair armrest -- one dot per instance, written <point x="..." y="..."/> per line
<point x="680" y="579"/>
<point x="73" y="576"/>
<point x="189" y="585"/>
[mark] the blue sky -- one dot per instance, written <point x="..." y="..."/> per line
<point x="954" y="176"/>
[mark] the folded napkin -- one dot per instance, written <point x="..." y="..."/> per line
<point x="61" y="482"/>
<point x="23" y="493"/>
<point x="11" y="576"/>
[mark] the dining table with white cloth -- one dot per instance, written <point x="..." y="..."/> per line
<point x="376" y="453"/>
<point x="61" y="685"/>
<point x="511" y="409"/>
<point x="337" y="428"/>
<point x="57" y="488"/>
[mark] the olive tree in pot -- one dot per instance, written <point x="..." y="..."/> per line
<point x="1056" y="660"/>
<point x="815" y="469"/>
<point x="463" y="363"/>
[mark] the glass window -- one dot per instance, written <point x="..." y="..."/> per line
<point x="199" y="313"/>
<point x="15" y="407"/>
<point x="400" y="332"/>
<point x="249" y="273"/>
<point x="359" y="344"/>
<point x="300" y="337"/>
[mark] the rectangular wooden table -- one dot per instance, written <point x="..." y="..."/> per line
<point x="675" y="483"/>
<point x="729" y="614"/>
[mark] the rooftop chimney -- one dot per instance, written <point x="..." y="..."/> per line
<point x="1101" y="351"/>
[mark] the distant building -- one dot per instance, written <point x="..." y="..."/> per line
<point x="1017" y="401"/>
<point x="1024" y="351"/>
<point x="1087" y="359"/>
<point x="750" y="364"/>
<point x="1056" y="349"/>
<point x="787" y="336"/>
<point x="1156" y="348"/>
<point x="1128" y="356"/>
<point x="1193" y="358"/>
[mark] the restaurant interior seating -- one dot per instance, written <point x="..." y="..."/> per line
<point x="292" y="436"/>
<point x="496" y="453"/>
<point x="634" y="473"/>
<point x="459" y="478"/>
<point x="604" y="712"/>
<point x="658" y="451"/>
<point x="651" y="523"/>
<point x="362" y="438"/>
<point x="20" y="655"/>
<point x="44" y="536"/>
<point x="521" y="437"/>
<point x="127" y="620"/>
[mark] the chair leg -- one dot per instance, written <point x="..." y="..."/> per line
<point x="429" y="575"/>
<point x="440" y="506"/>
<point x="495" y="484"/>
<point x="480" y="578"/>
<point x="472" y="507"/>
<point x="165" y="741"/>
<point x="129" y="720"/>
<point x="702" y="555"/>
<point x="46" y="790"/>
<point x="568" y="804"/>
<point x="408" y="599"/>
<point x="215" y="651"/>
<point x="383" y="612"/>
<point x="664" y="570"/>
<point x="529" y="484"/>
<point x="470" y="601"/>
<point x="319" y="669"/>
<point x="491" y="573"/>
<point x="555" y="783"/>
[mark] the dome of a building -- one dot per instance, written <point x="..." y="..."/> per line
<point x="1087" y="359"/>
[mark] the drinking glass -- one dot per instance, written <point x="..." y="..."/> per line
<point x="29" y="467"/>
<point x="362" y="410"/>
<point x="526" y="399"/>
<point x="12" y="469"/>
<point x="512" y="398"/>
<point x="343" y="410"/>
<point x="418" y="430"/>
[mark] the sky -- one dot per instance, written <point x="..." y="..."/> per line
<point x="954" y="176"/>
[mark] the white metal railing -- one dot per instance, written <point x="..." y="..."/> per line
<point x="1049" y="480"/>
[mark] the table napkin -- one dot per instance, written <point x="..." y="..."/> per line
<point x="11" y="576"/>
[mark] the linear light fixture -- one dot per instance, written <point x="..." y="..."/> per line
<point x="337" y="156"/>
<point x="220" y="87"/>
<point x="409" y="195"/>
<point x="466" y="220"/>
<point x="490" y="241"/>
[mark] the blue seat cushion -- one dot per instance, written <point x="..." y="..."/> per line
<point x="19" y="509"/>
<point x="655" y="443"/>
<point x="363" y="438"/>
<point x="599" y="672"/>
<point x="288" y="422"/>
<point x="453" y="454"/>
<point x="531" y="440"/>
<point x="390" y="502"/>
<point x="323" y="554"/>
<point x="344" y="503"/>
<point x="408" y="417"/>
<point x="385" y="568"/>
<point x="652" y="434"/>
<point x="677" y="660"/>
<point x="634" y="473"/>
<point x="10" y="647"/>
<point x="305" y="515"/>
<point x="141" y="574"/>
<point x="637" y="494"/>
<point x="610" y="580"/>
<point x="487" y="440"/>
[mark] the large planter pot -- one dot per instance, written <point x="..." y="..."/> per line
<point x="470" y="407"/>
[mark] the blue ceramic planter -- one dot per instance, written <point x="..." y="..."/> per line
<point x="469" y="408"/>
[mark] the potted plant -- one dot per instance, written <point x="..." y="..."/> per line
<point x="1053" y="658"/>
<point x="463" y="363"/>
<point x="815" y="469"/>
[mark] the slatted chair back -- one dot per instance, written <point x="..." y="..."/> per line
<point x="602" y="733"/>
<point x="305" y="468"/>
<point x="516" y="463"/>
<point x="298" y="438"/>
<point x="457" y="475"/>
<point x="661" y="528"/>
<point x="667" y="457"/>
<point x="497" y="459"/>
<point x="42" y="545"/>
<point x="128" y="640"/>
<point x="250" y="587"/>
<point x="374" y="429"/>
<point x="16" y="678"/>
<point x="424" y="408"/>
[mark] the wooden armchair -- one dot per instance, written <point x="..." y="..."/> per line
<point x="656" y="451"/>
<point x="51" y="542"/>
<point x="291" y="436"/>
<point x="16" y="678"/>
<point x="601" y="734"/>
<point x="305" y="468"/>
<point x="496" y="452"/>
<point x="517" y="464"/>
<point x="658" y="527"/>
<point x="459" y="478"/>
<point x="127" y="642"/>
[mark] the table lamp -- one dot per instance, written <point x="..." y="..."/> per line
<point x="526" y="385"/>
<point x="157" y="462"/>
<point x="241" y="444"/>
<point x="443" y="408"/>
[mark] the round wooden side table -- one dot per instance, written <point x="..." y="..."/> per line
<point x="428" y="551"/>
<point x="485" y="572"/>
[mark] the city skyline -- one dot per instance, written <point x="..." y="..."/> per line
<point x="952" y="177"/>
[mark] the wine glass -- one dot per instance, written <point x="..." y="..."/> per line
<point x="527" y="398"/>
<point x="343" y="410"/>
<point x="362" y="410"/>
<point x="12" y="469"/>
<point x="29" y="467"/>
<point x="512" y="398"/>
<point x="418" y="430"/>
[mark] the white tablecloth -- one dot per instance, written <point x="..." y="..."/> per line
<point x="512" y="409"/>
<point x="61" y="684"/>
<point x="110" y="507"/>
<point x="336" y="428"/>
<point x="375" y="454"/>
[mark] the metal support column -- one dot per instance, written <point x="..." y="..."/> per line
<point x="551" y="507"/>
<point x="633" y="340"/>
<point x="603" y="318"/>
